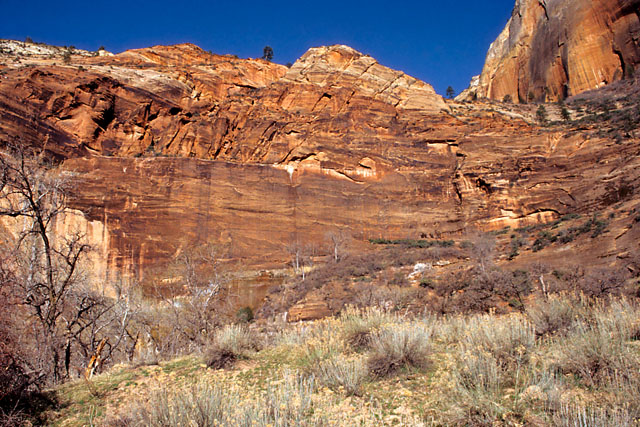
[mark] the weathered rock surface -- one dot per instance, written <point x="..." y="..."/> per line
<point x="173" y="146"/>
<point x="343" y="66"/>
<point x="553" y="49"/>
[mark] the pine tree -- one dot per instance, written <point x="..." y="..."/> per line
<point x="450" y="92"/>
<point x="541" y="115"/>
<point x="267" y="53"/>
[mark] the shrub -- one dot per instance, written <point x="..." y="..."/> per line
<point x="202" y="405"/>
<point x="399" y="346"/>
<point x="531" y="96"/>
<point x="602" y="282"/>
<point x="541" y="115"/>
<point x="620" y="318"/>
<point x="543" y="239"/>
<point x="413" y="243"/>
<point x="315" y="352"/>
<point x="501" y="231"/>
<point x="317" y="343"/>
<point x="569" y="217"/>
<point x="480" y="381"/>
<point x="479" y="371"/>
<point x="360" y="325"/>
<point x="427" y="282"/>
<point x="509" y="338"/>
<point x="553" y="315"/>
<point x="14" y="387"/>
<point x="244" y="315"/>
<point x="494" y="381"/>
<point x="229" y="344"/>
<point x="599" y="227"/>
<point x="598" y="352"/>
<point x="479" y="289"/>
<point x="516" y="244"/>
<point x="341" y="374"/>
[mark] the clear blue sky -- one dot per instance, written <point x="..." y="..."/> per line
<point x="441" y="42"/>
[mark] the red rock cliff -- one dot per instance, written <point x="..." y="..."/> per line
<point x="553" y="49"/>
<point x="172" y="146"/>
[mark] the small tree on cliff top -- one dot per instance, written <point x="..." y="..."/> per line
<point x="267" y="53"/>
<point x="450" y="92"/>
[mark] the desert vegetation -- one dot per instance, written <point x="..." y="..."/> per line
<point x="57" y="325"/>
<point x="418" y="332"/>
<point x="565" y="360"/>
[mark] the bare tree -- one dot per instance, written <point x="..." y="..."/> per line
<point x="301" y="257"/>
<point x="46" y="269"/>
<point x="295" y="250"/>
<point x="483" y="250"/>
<point x="198" y="302"/>
<point x="338" y="241"/>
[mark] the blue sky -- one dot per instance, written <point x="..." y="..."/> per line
<point x="441" y="42"/>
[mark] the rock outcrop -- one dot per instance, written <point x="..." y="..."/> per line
<point x="553" y="49"/>
<point x="172" y="146"/>
<point x="345" y="67"/>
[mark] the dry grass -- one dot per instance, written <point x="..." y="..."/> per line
<point x="599" y="348"/>
<point x="459" y="370"/>
<point x="342" y="374"/>
<point x="578" y="416"/>
<point x="286" y="402"/>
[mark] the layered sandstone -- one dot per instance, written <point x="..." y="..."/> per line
<point x="173" y="146"/>
<point x="345" y="67"/>
<point x="552" y="49"/>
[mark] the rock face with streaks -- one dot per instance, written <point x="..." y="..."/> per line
<point x="343" y="66"/>
<point x="171" y="146"/>
<point x="552" y="49"/>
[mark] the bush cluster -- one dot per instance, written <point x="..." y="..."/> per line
<point x="230" y="344"/>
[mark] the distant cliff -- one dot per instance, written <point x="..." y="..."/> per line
<point x="552" y="49"/>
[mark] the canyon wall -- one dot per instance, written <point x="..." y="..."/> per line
<point x="553" y="49"/>
<point x="172" y="146"/>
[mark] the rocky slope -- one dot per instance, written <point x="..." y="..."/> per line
<point x="172" y="146"/>
<point x="552" y="49"/>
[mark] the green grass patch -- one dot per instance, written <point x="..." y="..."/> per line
<point x="412" y="243"/>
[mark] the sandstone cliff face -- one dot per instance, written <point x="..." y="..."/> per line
<point x="343" y="66"/>
<point x="172" y="146"/>
<point x="553" y="49"/>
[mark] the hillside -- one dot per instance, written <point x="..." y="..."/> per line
<point x="564" y="362"/>
<point x="189" y="238"/>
